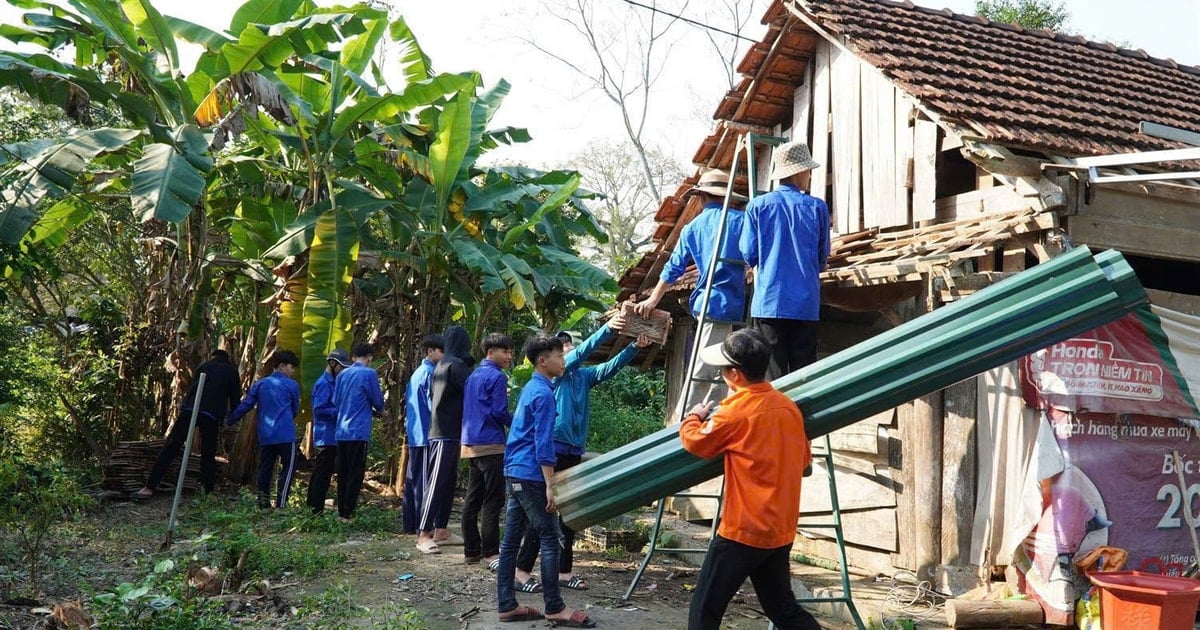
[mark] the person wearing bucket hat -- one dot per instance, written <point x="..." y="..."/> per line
<point x="786" y="240"/>
<point x="324" y="430"/>
<point x="761" y="434"/>
<point x="727" y="302"/>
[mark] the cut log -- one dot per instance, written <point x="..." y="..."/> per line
<point x="965" y="613"/>
<point x="657" y="326"/>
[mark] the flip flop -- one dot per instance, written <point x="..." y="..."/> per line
<point x="521" y="613"/>
<point x="454" y="539"/>
<point x="428" y="547"/>
<point x="578" y="619"/>
<point x="494" y="565"/>
<point x="532" y="586"/>
<point x="139" y="496"/>
<point x="576" y="583"/>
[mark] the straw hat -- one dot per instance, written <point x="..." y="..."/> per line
<point x="791" y="158"/>
<point x="714" y="182"/>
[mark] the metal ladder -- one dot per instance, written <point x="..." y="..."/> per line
<point x="746" y="143"/>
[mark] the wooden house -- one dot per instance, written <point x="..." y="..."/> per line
<point x="954" y="151"/>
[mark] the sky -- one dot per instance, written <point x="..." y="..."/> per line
<point x="563" y="112"/>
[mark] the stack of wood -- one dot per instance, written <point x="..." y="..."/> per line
<point x="130" y="462"/>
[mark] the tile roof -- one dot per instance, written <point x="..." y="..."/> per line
<point x="1052" y="92"/>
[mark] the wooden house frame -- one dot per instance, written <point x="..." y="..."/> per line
<point x="951" y="151"/>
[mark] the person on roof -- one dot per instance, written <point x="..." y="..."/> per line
<point x="786" y="239"/>
<point x="727" y="302"/>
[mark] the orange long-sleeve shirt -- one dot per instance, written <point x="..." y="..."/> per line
<point x="761" y="433"/>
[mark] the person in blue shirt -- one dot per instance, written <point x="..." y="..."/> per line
<point x="528" y="470"/>
<point x="727" y="304"/>
<point x="445" y="432"/>
<point x="324" y="432"/>
<point x="277" y="397"/>
<point x="485" y="420"/>
<point x="417" y="400"/>
<point x="358" y="397"/>
<point x="786" y="240"/>
<point x="572" y="398"/>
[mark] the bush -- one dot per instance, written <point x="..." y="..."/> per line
<point x="628" y="406"/>
<point x="38" y="496"/>
<point x="157" y="602"/>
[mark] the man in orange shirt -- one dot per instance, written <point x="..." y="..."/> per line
<point x="761" y="433"/>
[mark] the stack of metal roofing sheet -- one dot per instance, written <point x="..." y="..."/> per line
<point x="1053" y="301"/>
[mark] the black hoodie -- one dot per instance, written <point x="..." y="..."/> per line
<point x="449" y="381"/>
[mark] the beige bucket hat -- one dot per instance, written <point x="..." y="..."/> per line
<point x="791" y="158"/>
<point x="714" y="181"/>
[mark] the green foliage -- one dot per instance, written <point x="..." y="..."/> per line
<point x="1043" y="14"/>
<point x="38" y="496"/>
<point x="261" y="542"/>
<point x="334" y="609"/>
<point x="628" y="406"/>
<point x="157" y="602"/>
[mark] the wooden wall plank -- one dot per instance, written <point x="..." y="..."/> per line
<point x="802" y="108"/>
<point x="855" y="491"/>
<point x="958" y="472"/>
<point x="845" y="91"/>
<point x="820" y="126"/>
<point x="925" y="134"/>
<point x="876" y="529"/>
<point x="1134" y="237"/>
<point x="873" y="149"/>
<point x="901" y="214"/>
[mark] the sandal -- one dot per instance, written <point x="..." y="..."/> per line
<point x="576" y="583"/>
<point x="578" y="619"/>
<point x="532" y="586"/>
<point x="494" y="565"/>
<point x="521" y="613"/>
<point x="428" y="547"/>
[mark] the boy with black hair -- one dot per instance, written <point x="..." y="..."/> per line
<point x="277" y="397"/>
<point x="529" y="469"/>
<point x="445" y="432"/>
<point x="761" y="434"/>
<point x="418" y="398"/>
<point x="485" y="420"/>
<point x="222" y="389"/>
<point x="324" y="432"/>
<point x="358" y="398"/>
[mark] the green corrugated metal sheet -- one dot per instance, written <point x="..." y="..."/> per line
<point x="1053" y="301"/>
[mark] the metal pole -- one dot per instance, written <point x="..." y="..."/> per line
<point x="183" y="464"/>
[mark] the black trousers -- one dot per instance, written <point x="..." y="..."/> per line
<point x="209" y="428"/>
<point x="726" y="566"/>
<point x="285" y="454"/>
<point x="351" y="467"/>
<point x="481" y="509"/>
<point x="443" y="478"/>
<point x="324" y="463"/>
<point x="529" y="546"/>
<point x="793" y="344"/>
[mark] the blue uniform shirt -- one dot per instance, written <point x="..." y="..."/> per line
<point x="324" y="411"/>
<point x="571" y="390"/>
<point x="356" y="393"/>
<point x="786" y="236"/>
<point x="531" y="439"/>
<point x="278" y="398"/>
<point x="728" y="303"/>
<point x="418" y="400"/>
<point x="485" y="405"/>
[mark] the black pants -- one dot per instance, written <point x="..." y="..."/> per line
<point x="726" y="567"/>
<point x="793" y="344"/>
<point x="324" y="463"/>
<point x="443" y="478"/>
<point x="529" y="547"/>
<point x="268" y="454"/>
<point x="485" y="493"/>
<point x="209" y="429"/>
<point x="351" y="467"/>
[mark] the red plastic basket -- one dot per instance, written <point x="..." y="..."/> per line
<point x="1132" y="600"/>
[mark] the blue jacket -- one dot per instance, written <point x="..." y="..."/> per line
<point x="417" y="401"/>
<point x="786" y="237"/>
<point x="531" y="439"/>
<point x="356" y="393"/>
<point x="485" y="405"/>
<point x="571" y="390"/>
<point x="278" y="398"/>
<point x="696" y="246"/>
<point x="324" y="411"/>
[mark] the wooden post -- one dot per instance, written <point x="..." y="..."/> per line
<point x="923" y="439"/>
<point x="958" y="471"/>
<point x="679" y="345"/>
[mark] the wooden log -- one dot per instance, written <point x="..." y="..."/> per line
<point x="966" y="613"/>
<point x="657" y="326"/>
